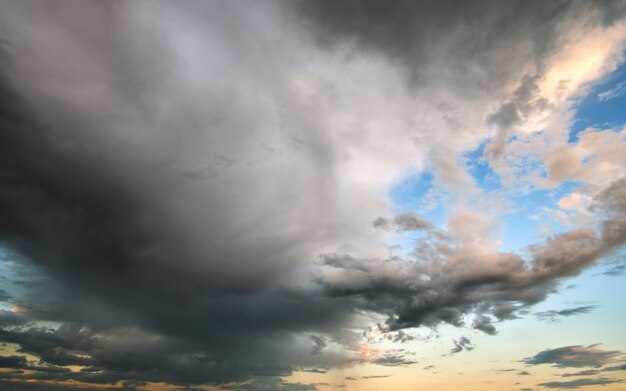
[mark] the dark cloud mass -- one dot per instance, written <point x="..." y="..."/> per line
<point x="179" y="206"/>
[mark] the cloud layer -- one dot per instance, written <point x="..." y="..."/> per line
<point x="199" y="194"/>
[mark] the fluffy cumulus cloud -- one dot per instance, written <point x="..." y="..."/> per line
<point x="197" y="193"/>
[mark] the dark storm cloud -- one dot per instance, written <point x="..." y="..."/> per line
<point x="575" y="356"/>
<point x="8" y="318"/>
<point x="13" y="361"/>
<point x="4" y="296"/>
<point x="171" y="211"/>
<point x="187" y="267"/>
<point x="478" y="32"/>
<point x="568" y="385"/>
<point x="130" y="353"/>
<point x="554" y="315"/>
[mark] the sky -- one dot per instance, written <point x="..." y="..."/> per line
<point x="312" y="195"/>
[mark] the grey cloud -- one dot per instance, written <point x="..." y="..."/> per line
<point x="13" y="361"/>
<point x="400" y="337"/>
<point x="375" y="376"/>
<point x="462" y="344"/>
<point x="621" y="367"/>
<point x="616" y="270"/>
<point x="315" y="370"/>
<point x="478" y="42"/>
<point x="129" y="353"/>
<point x="525" y="101"/>
<point x="4" y="296"/>
<point x="587" y="372"/>
<point x="612" y="199"/>
<point x="484" y="324"/>
<point x="404" y="222"/>
<point x="158" y="168"/>
<point x="554" y="315"/>
<point x="411" y="222"/>
<point x="318" y="344"/>
<point x="446" y="280"/>
<point x="579" y="383"/>
<point x="478" y="32"/>
<point x="8" y="318"/>
<point x="11" y="385"/>
<point x="574" y="356"/>
<point x="393" y="360"/>
<point x="271" y="384"/>
<point x="368" y="377"/>
<point x="92" y="194"/>
<point x="507" y="311"/>
<point x="381" y="222"/>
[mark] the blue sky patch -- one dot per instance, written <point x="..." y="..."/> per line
<point x="604" y="107"/>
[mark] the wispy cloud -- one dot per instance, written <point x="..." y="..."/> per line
<point x="618" y="90"/>
<point x="555" y="315"/>
<point x="568" y="385"/>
